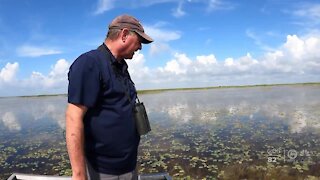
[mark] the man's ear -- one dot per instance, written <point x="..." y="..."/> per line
<point x="124" y="34"/>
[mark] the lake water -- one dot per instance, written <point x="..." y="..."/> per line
<point x="226" y="133"/>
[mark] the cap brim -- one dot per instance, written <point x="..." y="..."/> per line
<point x="145" y="38"/>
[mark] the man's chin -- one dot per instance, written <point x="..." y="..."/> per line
<point x="129" y="57"/>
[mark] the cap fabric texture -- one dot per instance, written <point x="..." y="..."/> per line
<point x="127" y="21"/>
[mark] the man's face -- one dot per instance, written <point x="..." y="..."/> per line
<point x="133" y="44"/>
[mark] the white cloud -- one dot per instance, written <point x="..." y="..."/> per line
<point x="244" y="63"/>
<point x="104" y="5"/>
<point x="219" y="5"/>
<point x="307" y="14"/>
<point x="161" y="38"/>
<point x="209" y="5"/>
<point x="257" y="40"/>
<point x="59" y="69"/>
<point x="178" y="12"/>
<point x="301" y="48"/>
<point x="33" y="51"/>
<point x="207" y="60"/>
<point x="137" y="66"/>
<point x="158" y="47"/>
<point x="56" y="78"/>
<point x="8" y="73"/>
<point x="54" y="82"/>
<point x="296" y="56"/>
<point x="294" y="46"/>
<point x="311" y="11"/>
<point x="162" y="35"/>
<point x="297" y="60"/>
<point x="179" y="65"/>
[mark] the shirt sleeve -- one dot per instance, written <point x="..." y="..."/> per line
<point x="84" y="81"/>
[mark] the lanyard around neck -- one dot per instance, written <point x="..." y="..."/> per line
<point x="116" y="71"/>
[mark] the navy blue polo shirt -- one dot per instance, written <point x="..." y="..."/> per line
<point x="103" y="85"/>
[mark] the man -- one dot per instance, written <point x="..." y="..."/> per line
<point x="102" y="139"/>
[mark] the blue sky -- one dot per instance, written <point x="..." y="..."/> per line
<point x="198" y="43"/>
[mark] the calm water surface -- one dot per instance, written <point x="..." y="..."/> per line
<point x="231" y="133"/>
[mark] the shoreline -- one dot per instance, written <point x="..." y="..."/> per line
<point x="152" y="91"/>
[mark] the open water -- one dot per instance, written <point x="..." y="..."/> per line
<point x="225" y="133"/>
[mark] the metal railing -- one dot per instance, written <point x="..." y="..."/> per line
<point x="19" y="176"/>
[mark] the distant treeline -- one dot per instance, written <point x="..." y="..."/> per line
<point x="217" y="87"/>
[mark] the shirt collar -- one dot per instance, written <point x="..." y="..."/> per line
<point x="123" y="65"/>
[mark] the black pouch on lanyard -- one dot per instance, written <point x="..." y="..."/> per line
<point x="141" y="118"/>
<point x="139" y="111"/>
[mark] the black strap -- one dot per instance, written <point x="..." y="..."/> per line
<point x="116" y="71"/>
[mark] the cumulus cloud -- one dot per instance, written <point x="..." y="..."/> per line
<point x="56" y="78"/>
<point x="297" y="60"/>
<point x="37" y="83"/>
<point x="33" y="51"/>
<point x="8" y="73"/>
<point x="299" y="48"/>
<point x="296" y="56"/>
<point x="179" y="65"/>
<point x="137" y="66"/>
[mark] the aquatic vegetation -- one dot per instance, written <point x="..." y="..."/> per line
<point x="226" y="153"/>
<point x="25" y="154"/>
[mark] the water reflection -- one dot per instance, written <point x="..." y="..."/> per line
<point x="24" y="113"/>
<point x="9" y="121"/>
<point x="195" y="134"/>
<point x="298" y="107"/>
<point x="31" y="135"/>
<point x="215" y="133"/>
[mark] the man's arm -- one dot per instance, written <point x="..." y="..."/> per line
<point x="75" y="140"/>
